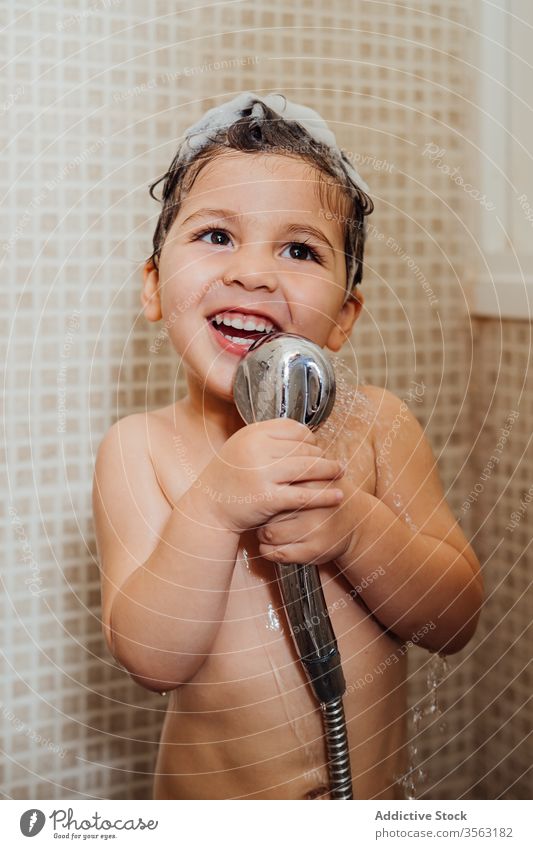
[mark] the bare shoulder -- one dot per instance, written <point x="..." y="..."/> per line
<point x="395" y="426"/>
<point x="380" y="416"/>
<point x="138" y="432"/>
<point x="127" y="431"/>
<point x="126" y="444"/>
<point x="406" y="468"/>
<point x="386" y="405"/>
<point x="124" y="462"/>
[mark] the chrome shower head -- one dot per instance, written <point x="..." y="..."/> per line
<point x="284" y="375"/>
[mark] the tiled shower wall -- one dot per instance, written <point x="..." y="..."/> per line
<point x="502" y="395"/>
<point x="94" y="104"/>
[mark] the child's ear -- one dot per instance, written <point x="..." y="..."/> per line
<point x="348" y="315"/>
<point x="150" y="298"/>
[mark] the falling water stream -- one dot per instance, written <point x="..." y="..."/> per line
<point x="415" y="775"/>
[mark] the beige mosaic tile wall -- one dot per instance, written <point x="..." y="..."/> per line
<point x="90" y="118"/>
<point x="95" y="101"/>
<point x="502" y="496"/>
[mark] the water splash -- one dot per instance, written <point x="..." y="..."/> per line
<point x="250" y="571"/>
<point x="409" y="521"/>
<point x="344" y="430"/>
<point x="340" y="434"/>
<point x="397" y="501"/>
<point x="273" y="623"/>
<point x="415" y="775"/>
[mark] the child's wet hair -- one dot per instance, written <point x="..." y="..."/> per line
<point x="345" y="202"/>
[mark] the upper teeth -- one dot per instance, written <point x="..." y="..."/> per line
<point x="249" y="323"/>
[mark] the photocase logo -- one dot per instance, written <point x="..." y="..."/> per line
<point x="32" y="822"/>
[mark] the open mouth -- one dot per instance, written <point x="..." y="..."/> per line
<point x="239" y="331"/>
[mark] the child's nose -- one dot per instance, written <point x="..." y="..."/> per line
<point x="251" y="266"/>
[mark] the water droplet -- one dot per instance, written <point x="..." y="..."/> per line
<point x="340" y="434"/>
<point x="273" y="623"/>
<point x="250" y="571"/>
<point x="409" y="521"/>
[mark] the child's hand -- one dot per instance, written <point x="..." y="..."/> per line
<point x="311" y="536"/>
<point x="260" y="471"/>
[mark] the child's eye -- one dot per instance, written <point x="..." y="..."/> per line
<point x="218" y="232"/>
<point x="303" y="247"/>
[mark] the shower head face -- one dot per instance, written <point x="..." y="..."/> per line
<point x="285" y="375"/>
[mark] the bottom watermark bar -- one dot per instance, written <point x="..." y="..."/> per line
<point x="244" y="823"/>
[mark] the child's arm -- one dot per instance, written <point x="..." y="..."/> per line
<point x="431" y="575"/>
<point x="163" y="595"/>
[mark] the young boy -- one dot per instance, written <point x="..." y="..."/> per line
<point x="262" y="228"/>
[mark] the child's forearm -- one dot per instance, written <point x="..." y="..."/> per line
<point x="166" y="615"/>
<point x="425" y="581"/>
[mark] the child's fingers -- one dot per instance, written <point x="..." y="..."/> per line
<point x="286" y="428"/>
<point x="298" y="497"/>
<point x="319" y="468"/>
<point x="300" y="449"/>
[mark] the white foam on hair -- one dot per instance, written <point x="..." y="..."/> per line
<point x="198" y="135"/>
